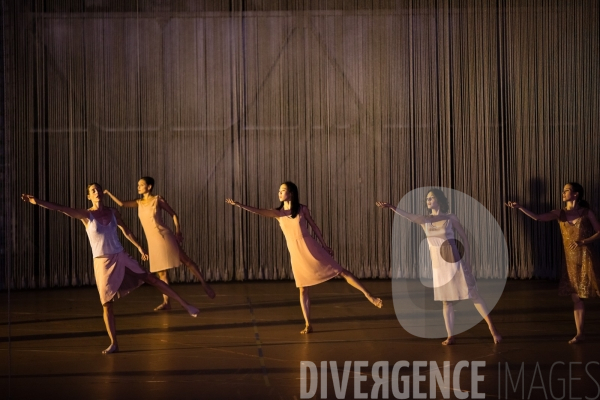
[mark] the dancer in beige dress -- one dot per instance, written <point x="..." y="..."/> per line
<point x="115" y="271"/>
<point x="579" y="227"/>
<point x="452" y="277"/>
<point x="311" y="263"/>
<point x="164" y="247"/>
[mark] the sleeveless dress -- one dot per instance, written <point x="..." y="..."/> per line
<point x="163" y="249"/>
<point x="311" y="263"/>
<point x="110" y="261"/>
<point x="580" y="268"/>
<point x="452" y="279"/>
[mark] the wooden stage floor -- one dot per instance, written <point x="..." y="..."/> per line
<point x="245" y="344"/>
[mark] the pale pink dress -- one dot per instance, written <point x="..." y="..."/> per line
<point x="163" y="248"/>
<point x="110" y="261"/>
<point x="311" y="263"/>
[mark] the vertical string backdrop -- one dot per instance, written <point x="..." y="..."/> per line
<point x="354" y="101"/>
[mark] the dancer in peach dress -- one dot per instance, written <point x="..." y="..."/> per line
<point x="311" y="263"/>
<point x="164" y="246"/>
<point x="116" y="273"/>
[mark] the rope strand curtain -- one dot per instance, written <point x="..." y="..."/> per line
<point x="353" y="100"/>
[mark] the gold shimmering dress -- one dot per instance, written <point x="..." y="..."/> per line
<point x="580" y="274"/>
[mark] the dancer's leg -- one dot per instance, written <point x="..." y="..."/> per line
<point x="449" y="321"/>
<point x="351" y="279"/>
<point x="305" y="304"/>
<point x="483" y="311"/>
<point x="166" y="304"/>
<point x="196" y="271"/>
<point x="165" y="289"/>
<point x="579" y="314"/>
<point x="109" y="321"/>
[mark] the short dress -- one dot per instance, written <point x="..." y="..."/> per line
<point x="111" y="260"/>
<point x="163" y="249"/>
<point x="452" y="278"/>
<point x="580" y="268"/>
<point x="311" y="263"/>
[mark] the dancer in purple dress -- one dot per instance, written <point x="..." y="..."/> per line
<point x="115" y="271"/>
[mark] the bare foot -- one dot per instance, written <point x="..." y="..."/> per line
<point x="377" y="302"/>
<point x="308" y="329"/>
<point x="209" y="292"/>
<point x="163" y="307"/>
<point x="577" y="339"/>
<point x="113" y="348"/>
<point x="449" y="341"/>
<point x="193" y="311"/>
<point x="496" y="336"/>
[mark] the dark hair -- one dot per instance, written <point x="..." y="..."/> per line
<point x="441" y="199"/>
<point x="293" y="189"/>
<point x="93" y="184"/>
<point x="149" y="181"/>
<point x="577" y="188"/>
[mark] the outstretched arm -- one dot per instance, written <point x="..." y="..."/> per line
<point x="127" y="203"/>
<point x="551" y="216"/>
<point x="129" y="235"/>
<point x="162" y="203"/>
<point x="71" y="212"/>
<point x="306" y="213"/>
<point x="416" y="218"/>
<point x="260" y="211"/>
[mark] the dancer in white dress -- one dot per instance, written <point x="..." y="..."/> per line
<point x="452" y="277"/>
<point x="116" y="273"/>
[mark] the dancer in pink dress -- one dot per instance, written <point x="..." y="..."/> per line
<point x="311" y="263"/>
<point x="164" y="246"/>
<point x="115" y="271"/>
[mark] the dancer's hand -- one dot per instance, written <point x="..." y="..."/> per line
<point x="28" y="198"/>
<point x="381" y="204"/>
<point x="576" y="244"/>
<point x="145" y="256"/>
<point x="512" y="204"/>
<point x="231" y="202"/>
<point x="105" y="191"/>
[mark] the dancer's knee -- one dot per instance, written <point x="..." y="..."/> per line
<point x="345" y="274"/>
<point x="448" y="304"/>
<point x="576" y="299"/>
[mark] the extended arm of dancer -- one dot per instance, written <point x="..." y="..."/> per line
<point x="71" y="212"/>
<point x="306" y="213"/>
<point x="129" y="235"/>
<point x="162" y="203"/>
<point x="127" y="203"/>
<point x="551" y="216"/>
<point x="260" y="211"/>
<point x="416" y="218"/>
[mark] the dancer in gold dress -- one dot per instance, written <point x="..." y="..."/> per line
<point x="579" y="227"/>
